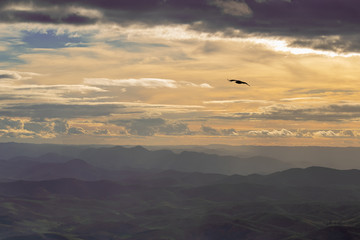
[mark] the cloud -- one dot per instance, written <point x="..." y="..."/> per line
<point x="66" y="111"/>
<point x="210" y="131"/>
<point x="321" y="91"/>
<point x="324" y="113"/>
<point x="329" y="25"/>
<point x="56" y="89"/>
<point x="236" y="101"/>
<point x="102" y="132"/>
<point x="21" y="93"/>
<point x="6" y="123"/>
<point x="333" y="43"/>
<point x="18" y="134"/>
<point x="336" y="133"/>
<point x="174" y="128"/>
<point x="299" y="98"/>
<point x="37" y="127"/>
<point x="9" y="75"/>
<point x="302" y="133"/>
<point x="234" y="8"/>
<point x="271" y="133"/>
<point x="28" y="128"/>
<point x="153" y="126"/>
<point x="142" y="82"/>
<point x="60" y="126"/>
<point x="14" y="75"/>
<point x="76" y="131"/>
<point x="43" y="12"/>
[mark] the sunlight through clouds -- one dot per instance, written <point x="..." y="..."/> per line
<point x="161" y="68"/>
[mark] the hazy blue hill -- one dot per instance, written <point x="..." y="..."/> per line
<point x="298" y="156"/>
<point x="27" y="168"/>
<point x="13" y="169"/>
<point x="312" y="176"/>
<point x="52" y="158"/>
<point x="178" y="205"/>
<point x="119" y="157"/>
<point x="139" y="157"/>
<point x="131" y="193"/>
<point x="71" y="187"/>
<point x="75" y="168"/>
<point x="10" y="150"/>
<point x="283" y="157"/>
<point x="173" y="177"/>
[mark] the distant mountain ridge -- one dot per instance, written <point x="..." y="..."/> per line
<point x="279" y="157"/>
<point x="313" y="203"/>
<point x="139" y="157"/>
<point x="118" y="157"/>
<point x="315" y="183"/>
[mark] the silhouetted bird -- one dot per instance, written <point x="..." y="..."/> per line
<point x="239" y="82"/>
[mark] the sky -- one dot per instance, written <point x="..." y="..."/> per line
<point x="154" y="72"/>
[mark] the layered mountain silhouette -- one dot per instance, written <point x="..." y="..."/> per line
<point x="180" y="205"/>
<point x="139" y="157"/>
<point x="58" y="192"/>
<point x="118" y="158"/>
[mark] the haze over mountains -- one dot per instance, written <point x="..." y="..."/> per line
<point x="299" y="156"/>
<point x="210" y="159"/>
<point x="55" y="192"/>
<point x="117" y="157"/>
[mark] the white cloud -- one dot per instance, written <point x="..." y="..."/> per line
<point x="143" y="82"/>
<point x="236" y="101"/>
<point x="51" y="93"/>
<point x="300" y="98"/>
<point x="271" y="133"/>
<point x="336" y="134"/>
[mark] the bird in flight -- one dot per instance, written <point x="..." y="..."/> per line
<point x="239" y="82"/>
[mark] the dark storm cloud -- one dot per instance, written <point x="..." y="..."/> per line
<point x="333" y="112"/>
<point x="349" y="43"/>
<point x="299" y="17"/>
<point x="13" y="16"/>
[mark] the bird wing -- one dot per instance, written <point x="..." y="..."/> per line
<point x="238" y="81"/>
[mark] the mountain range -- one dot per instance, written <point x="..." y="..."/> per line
<point x="53" y="192"/>
<point x="118" y="157"/>
<point x="320" y="204"/>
